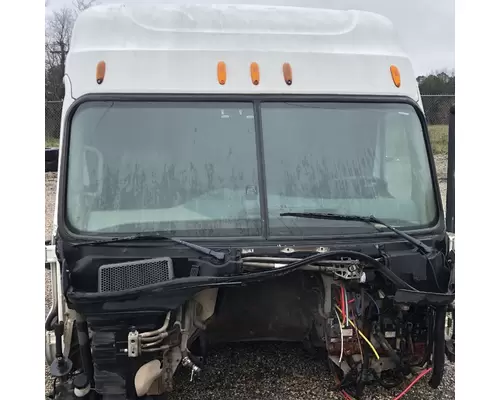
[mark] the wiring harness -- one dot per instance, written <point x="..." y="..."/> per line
<point x="351" y="312"/>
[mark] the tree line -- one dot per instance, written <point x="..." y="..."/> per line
<point x="438" y="90"/>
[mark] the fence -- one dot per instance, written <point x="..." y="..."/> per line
<point x="53" y="111"/>
<point x="436" y="108"/>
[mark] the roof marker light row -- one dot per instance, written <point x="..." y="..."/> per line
<point x="254" y="73"/>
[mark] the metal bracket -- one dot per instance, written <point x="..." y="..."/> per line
<point x="451" y="241"/>
<point x="133" y="344"/>
<point x="349" y="272"/>
<point x="50" y="340"/>
<point x="50" y="254"/>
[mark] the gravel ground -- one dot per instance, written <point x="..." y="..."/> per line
<point x="266" y="371"/>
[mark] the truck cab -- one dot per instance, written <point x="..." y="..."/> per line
<point x="242" y="173"/>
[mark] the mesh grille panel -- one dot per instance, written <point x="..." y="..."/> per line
<point x="134" y="274"/>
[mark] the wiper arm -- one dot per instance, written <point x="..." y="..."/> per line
<point x="155" y="236"/>
<point x="368" y="219"/>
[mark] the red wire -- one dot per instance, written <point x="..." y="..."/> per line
<point x="346" y="306"/>
<point x="342" y="302"/>
<point x="346" y="396"/>
<point x="420" y="376"/>
<point x="352" y="301"/>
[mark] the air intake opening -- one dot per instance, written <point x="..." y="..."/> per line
<point x="134" y="274"/>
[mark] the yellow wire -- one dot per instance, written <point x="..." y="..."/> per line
<point x="362" y="335"/>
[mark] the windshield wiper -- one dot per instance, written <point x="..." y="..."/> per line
<point x="145" y="236"/>
<point x="368" y="219"/>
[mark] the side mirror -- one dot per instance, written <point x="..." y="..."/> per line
<point x="450" y="191"/>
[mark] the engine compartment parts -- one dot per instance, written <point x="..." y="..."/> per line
<point x="407" y="389"/>
<point x="398" y="340"/>
<point x="375" y="326"/>
<point x="148" y="342"/>
<point x="369" y="335"/>
<point x="188" y="363"/>
<point x="81" y="386"/>
<point x="62" y="365"/>
<point x="425" y="250"/>
<point x="344" y="268"/>
<point x="200" y="282"/>
<point x="146" y="375"/>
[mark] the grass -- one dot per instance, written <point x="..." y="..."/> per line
<point x="439" y="138"/>
<point x="51" y="142"/>
<point x="437" y="133"/>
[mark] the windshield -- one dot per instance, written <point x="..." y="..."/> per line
<point x="192" y="169"/>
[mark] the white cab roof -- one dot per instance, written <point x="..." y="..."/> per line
<point x="176" y="48"/>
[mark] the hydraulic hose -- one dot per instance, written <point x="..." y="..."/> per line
<point x="438" y="356"/>
<point x="431" y="336"/>
<point x="367" y="327"/>
<point x="387" y="347"/>
<point x="85" y="351"/>
<point x="401" y="367"/>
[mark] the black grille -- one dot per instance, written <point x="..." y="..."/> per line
<point x="134" y="274"/>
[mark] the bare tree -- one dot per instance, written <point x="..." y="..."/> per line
<point x="81" y="5"/>
<point x="57" y="41"/>
<point x="57" y="37"/>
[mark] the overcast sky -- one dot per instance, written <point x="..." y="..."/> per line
<point x="426" y="27"/>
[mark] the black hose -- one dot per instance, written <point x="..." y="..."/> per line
<point x="438" y="356"/>
<point x="59" y="331"/>
<point x="367" y="327"/>
<point x="401" y="367"/>
<point x="434" y="275"/>
<point x="389" y="386"/>
<point x="198" y="361"/>
<point x="85" y="351"/>
<point x="387" y="347"/>
<point x="430" y="332"/>
<point x="450" y="345"/>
